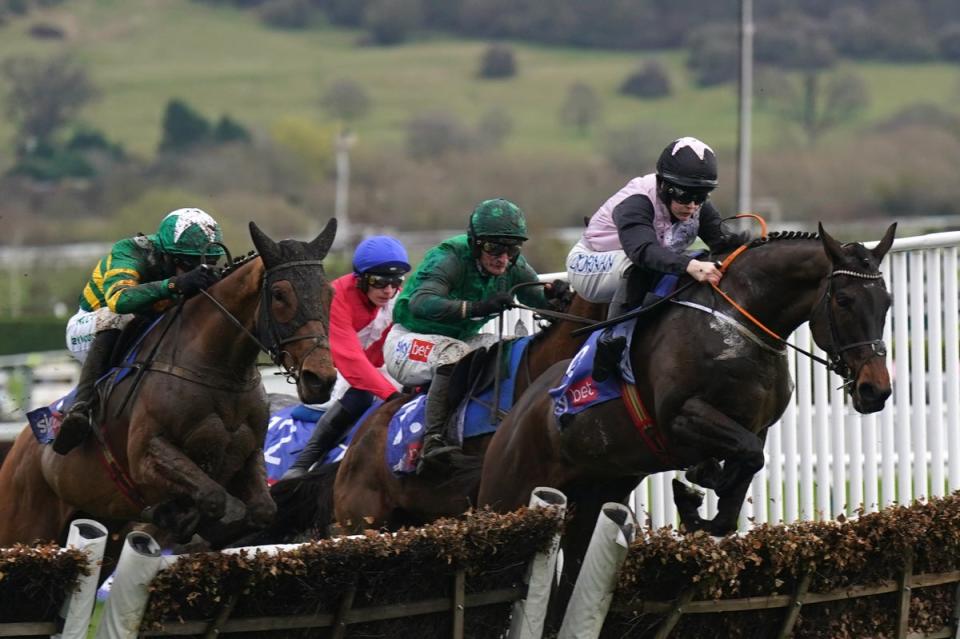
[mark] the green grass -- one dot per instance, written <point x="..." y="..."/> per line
<point x="144" y="52"/>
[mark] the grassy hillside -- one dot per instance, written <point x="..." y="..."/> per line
<point x="143" y="52"/>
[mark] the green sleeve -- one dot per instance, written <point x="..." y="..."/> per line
<point x="124" y="290"/>
<point x="432" y="299"/>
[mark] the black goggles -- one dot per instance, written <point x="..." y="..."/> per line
<point x="686" y="196"/>
<point x="190" y="262"/>
<point x="383" y="281"/>
<point x="499" y="248"/>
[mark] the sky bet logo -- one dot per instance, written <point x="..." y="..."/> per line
<point x="420" y="350"/>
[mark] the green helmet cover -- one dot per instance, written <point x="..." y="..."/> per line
<point x="498" y="218"/>
<point x="187" y="232"/>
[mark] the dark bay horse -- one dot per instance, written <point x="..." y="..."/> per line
<point x="365" y="493"/>
<point x="185" y="451"/>
<point x="712" y="382"/>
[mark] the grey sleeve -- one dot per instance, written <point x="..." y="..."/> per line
<point x="634" y="220"/>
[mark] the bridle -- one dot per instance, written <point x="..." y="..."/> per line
<point x="836" y="348"/>
<point x="269" y="338"/>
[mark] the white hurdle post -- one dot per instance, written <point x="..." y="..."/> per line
<point x="90" y="537"/>
<point x="139" y="562"/>
<point x="530" y="612"/>
<point x="593" y="591"/>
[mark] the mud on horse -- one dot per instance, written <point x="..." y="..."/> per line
<point x="711" y="382"/>
<point x="181" y="439"/>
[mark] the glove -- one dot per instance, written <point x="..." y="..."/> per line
<point x="492" y="305"/>
<point x="195" y="280"/>
<point x="557" y="290"/>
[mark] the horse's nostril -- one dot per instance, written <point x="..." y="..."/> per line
<point x="870" y="393"/>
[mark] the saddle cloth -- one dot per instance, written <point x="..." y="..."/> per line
<point x="472" y="417"/>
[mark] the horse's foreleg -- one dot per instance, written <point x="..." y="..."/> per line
<point x="255" y="493"/>
<point x="702" y="427"/>
<point x="167" y="469"/>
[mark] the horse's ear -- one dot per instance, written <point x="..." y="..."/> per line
<point x="322" y="243"/>
<point x="833" y="248"/>
<point x="880" y="250"/>
<point x="265" y="246"/>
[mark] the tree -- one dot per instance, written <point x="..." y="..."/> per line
<point x="497" y="62"/>
<point x="391" y="21"/>
<point x="494" y="127"/>
<point x="817" y="102"/>
<point x="649" y="81"/>
<point x="43" y="94"/>
<point x="346" y="100"/>
<point x="581" y="108"/>
<point x="435" y="134"/>
<point x="183" y="127"/>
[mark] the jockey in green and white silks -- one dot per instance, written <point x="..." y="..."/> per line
<point x="461" y="284"/>
<point x="142" y="275"/>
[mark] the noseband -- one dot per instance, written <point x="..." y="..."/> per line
<point x="836" y="349"/>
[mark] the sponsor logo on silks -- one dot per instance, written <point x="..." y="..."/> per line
<point x="582" y="392"/>
<point x="420" y="350"/>
<point x="80" y="339"/>
<point x="586" y="263"/>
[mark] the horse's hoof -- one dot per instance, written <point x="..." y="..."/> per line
<point x="213" y="505"/>
<point x="260" y="516"/>
<point x="685" y="496"/>
<point x="706" y="474"/>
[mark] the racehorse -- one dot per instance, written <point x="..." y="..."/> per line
<point x="709" y="385"/>
<point x="364" y="492"/>
<point x="181" y="437"/>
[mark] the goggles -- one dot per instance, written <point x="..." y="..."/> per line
<point x="686" y="196"/>
<point x="190" y="262"/>
<point x="383" y="281"/>
<point x="499" y="248"/>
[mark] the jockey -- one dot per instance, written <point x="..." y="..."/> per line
<point x="649" y="223"/>
<point x="360" y="316"/>
<point x="142" y="275"/>
<point x="461" y="284"/>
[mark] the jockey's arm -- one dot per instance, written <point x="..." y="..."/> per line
<point x="634" y="220"/>
<point x="711" y="231"/>
<point x="348" y="354"/>
<point x="123" y="287"/>
<point x="432" y="299"/>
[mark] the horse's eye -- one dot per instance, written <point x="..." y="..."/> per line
<point x="277" y="295"/>
<point x="844" y="300"/>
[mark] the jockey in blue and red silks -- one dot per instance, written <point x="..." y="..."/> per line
<point x="361" y="314"/>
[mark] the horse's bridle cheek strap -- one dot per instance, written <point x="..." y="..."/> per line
<point x="269" y="330"/>
<point x="835" y="350"/>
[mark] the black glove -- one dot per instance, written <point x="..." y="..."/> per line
<point x="492" y="305"/>
<point x="195" y="280"/>
<point x="557" y="290"/>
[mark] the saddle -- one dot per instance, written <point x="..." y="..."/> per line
<point x="476" y="371"/>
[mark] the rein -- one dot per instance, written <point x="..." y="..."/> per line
<point x="833" y="362"/>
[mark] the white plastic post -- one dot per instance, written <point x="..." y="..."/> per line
<point x="529" y="613"/>
<point x="139" y="562"/>
<point x="598" y="577"/>
<point x="91" y="537"/>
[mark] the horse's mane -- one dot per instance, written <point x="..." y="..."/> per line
<point x="733" y="241"/>
<point x="238" y="261"/>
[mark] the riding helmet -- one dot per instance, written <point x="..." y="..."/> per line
<point x="497" y="218"/>
<point x="380" y="254"/>
<point x="688" y="162"/>
<point x="188" y="232"/>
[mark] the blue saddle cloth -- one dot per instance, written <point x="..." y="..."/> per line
<point x="289" y="431"/>
<point x="578" y="390"/>
<point x="472" y="417"/>
<point x="45" y="421"/>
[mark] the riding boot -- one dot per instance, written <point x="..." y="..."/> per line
<point x="606" y="361"/>
<point x="76" y="423"/>
<point x="435" y="452"/>
<point x="330" y="428"/>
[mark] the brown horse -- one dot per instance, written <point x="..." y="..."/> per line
<point x="367" y="494"/>
<point x="711" y="383"/>
<point x="181" y="438"/>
